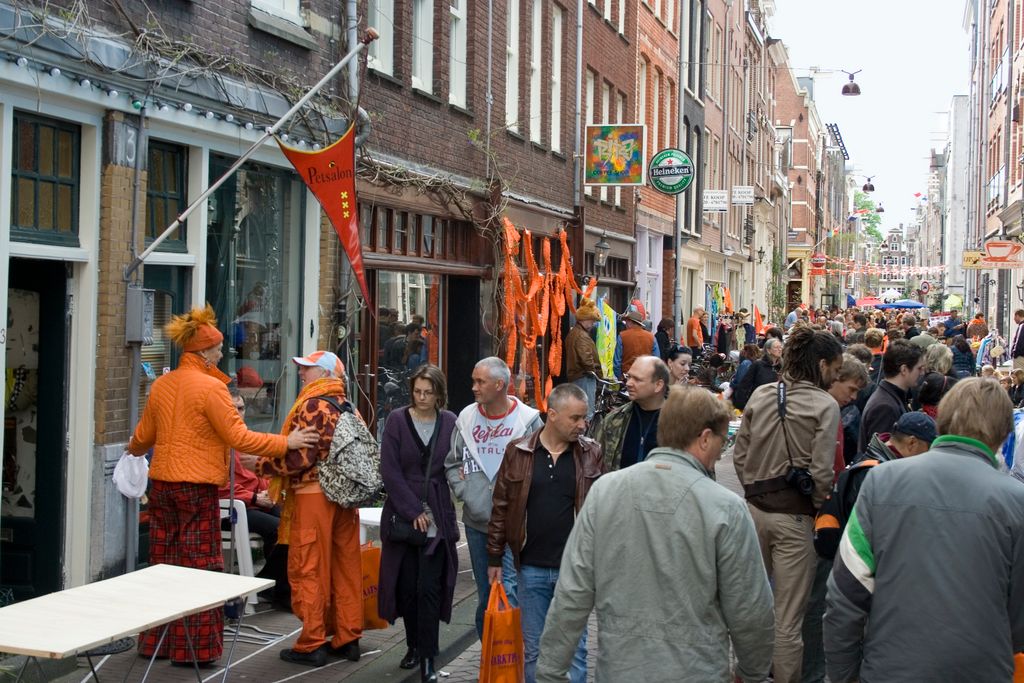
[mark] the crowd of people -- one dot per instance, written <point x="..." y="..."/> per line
<point x="829" y="564"/>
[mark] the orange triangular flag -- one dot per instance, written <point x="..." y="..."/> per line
<point x="758" y="322"/>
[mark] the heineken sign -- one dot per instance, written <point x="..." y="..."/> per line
<point x="671" y="171"/>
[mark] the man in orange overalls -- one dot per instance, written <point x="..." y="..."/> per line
<point x="324" y="567"/>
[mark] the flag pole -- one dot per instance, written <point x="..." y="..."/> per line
<point x="370" y="36"/>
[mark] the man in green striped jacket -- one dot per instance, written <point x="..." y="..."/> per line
<point x="928" y="584"/>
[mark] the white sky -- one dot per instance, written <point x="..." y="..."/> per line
<point x="914" y="58"/>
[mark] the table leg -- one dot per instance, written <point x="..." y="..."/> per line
<point x="92" y="668"/>
<point x="191" y="650"/>
<point x="23" y="667"/>
<point x="234" y="637"/>
<point x="163" y="634"/>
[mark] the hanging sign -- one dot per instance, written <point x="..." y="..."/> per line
<point x="614" y="155"/>
<point x="671" y="171"/>
<point x="743" y="195"/>
<point x="998" y="254"/>
<point x="716" y="201"/>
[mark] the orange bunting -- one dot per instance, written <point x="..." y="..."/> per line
<point x="533" y="307"/>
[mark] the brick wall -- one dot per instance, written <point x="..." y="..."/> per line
<point x="612" y="57"/>
<point x="112" y="368"/>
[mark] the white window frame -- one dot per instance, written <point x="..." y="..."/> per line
<point x="588" y="108"/>
<point x="536" y="45"/>
<point x="606" y="105"/>
<point x="289" y="10"/>
<point x="670" y="10"/>
<point x="512" y="67"/>
<point x="381" y="52"/>
<point x="666" y="129"/>
<point x="642" y="90"/>
<point x="457" y="53"/>
<point x="607" y="11"/>
<point x="423" y="45"/>
<point x="684" y="34"/>
<point x="557" y="23"/>
<point x="655" y="112"/>
<point x="622" y="17"/>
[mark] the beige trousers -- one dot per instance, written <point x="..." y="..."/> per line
<point x="787" y="547"/>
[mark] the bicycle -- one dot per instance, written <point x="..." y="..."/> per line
<point x="610" y="394"/>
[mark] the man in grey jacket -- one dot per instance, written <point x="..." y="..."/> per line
<point x="669" y="560"/>
<point x="482" y="431"/>
<point x="928" y="584"/>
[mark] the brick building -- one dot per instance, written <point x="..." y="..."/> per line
<point x="101" y="152"/>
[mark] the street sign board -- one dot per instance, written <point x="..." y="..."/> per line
<point x="998" y="254"/>
<point x="671" y="171"/>
<point x="743" y="195"/>
<point x="925" y="287"/>
<point x="716" y="201"/>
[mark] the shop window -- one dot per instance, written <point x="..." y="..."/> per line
<point x="254" y="283"/>
<point x="408" y="335"/>
<point x="165" y="194"/>
<point x="45" y="177"/>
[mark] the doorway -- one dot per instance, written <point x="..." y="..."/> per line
<point x="35" y="429"/>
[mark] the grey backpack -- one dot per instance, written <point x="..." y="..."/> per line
<point x="350" y="474"/>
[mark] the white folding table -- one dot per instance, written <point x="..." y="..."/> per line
<point x="77" y="620"/>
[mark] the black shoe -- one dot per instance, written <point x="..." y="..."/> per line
<point x="349" y="651"/>
<point x="427" y="672"/>
<point x="208" y="664"/>
<point x="410" y="660"/>
<point x="317" y="657"/>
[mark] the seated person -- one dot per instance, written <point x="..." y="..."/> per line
<point x="261" y="515"/>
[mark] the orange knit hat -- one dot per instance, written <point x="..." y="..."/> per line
<point x="196" y="330"/>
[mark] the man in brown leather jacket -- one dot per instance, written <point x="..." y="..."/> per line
<point x="540" y="488"/>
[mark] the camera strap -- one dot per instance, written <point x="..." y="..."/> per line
<point x="780" y="404"/>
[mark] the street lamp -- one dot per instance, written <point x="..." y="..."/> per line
<point x="851" y="89"/>
<point x="601" y="251"/>
<point x="868" y="186"/>
<point x="880" y="209"/>
<point x="760" y="256"/>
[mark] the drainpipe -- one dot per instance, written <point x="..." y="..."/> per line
<point x="681" y="132"/>
<point x="131" y="513"/>
<point x="352" y="39"/>
<point x="489" y="95"/>
<point x="725" y="133"/>
<point x="577" y="150"/>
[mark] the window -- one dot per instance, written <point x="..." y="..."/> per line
<point x="622" y="16"/>
<point x="254" y="282"/>
<point x="381" y="55"/>
<point x="45" y="177"/>
<point x="512" y="67"/>
<point x="669" y="101"/>
<point x="423" y="45"/>
<point x="670" y="15"/>
<point x="165" y="193"/>
<point x="457" y="54"/>
<point x="588" y="105"/>
<point x="556" y="78"/>
<point x="655" y="137"/>
<point x="536" y="38"/>
<point x="607" y="11"/>
<point x="641" y="105"/>
<point x="606" y="103"/>
<point x="620" y="112"/>
<point x="684" y="34"/>
<point x="286" y="9"/>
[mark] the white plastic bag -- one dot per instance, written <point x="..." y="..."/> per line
<point x="131" y="474"/>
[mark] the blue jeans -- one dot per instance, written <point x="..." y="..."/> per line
<point x="589" y="386"/>
<point x="536" y="589"/>
<point x="477" y="542"/>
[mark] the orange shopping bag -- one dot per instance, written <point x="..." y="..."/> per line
<point x="370" y="556"/>
<point x="501" y="655"/>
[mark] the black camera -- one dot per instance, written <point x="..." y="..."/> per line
<point x="800" y="478"/>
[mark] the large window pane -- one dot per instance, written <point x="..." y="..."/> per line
<point x="165" y="193"/>
<point x="407" y="334"/>
<point x="254" y="281"/>
<point x="45" y="179"/>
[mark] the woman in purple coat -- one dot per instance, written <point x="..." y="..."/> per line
<point x="417" y="581"/>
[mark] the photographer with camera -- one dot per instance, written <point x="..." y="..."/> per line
<point x="783" y="456"/>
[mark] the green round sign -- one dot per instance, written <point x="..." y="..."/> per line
<point x="671" y="171"/>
